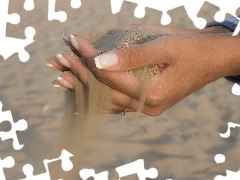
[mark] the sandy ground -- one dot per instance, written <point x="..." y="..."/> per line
<point x="181" y="143"/>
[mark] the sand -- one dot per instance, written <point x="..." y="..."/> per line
<point x="181" y="143"/>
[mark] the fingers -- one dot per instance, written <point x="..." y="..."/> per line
<point x="54" y="63"/>
<point x="111" y="79"/>
<point x="153" y="52"/>
<point x="119" y="103"/>
<point x="67" y="41"/>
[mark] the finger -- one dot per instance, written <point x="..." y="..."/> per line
<point x="67" y="38"/>
<point x="120" y="81"/>
<point x="54" y="63"/>
<point x="150" y="53"/>
<point x="66" y="82"/>
<point x="120" y="102"/>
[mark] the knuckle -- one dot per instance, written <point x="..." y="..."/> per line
<point x="153" y="100"/>
<point x="131" y="56"/>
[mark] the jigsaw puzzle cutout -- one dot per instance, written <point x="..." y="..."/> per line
<point x="220" y="158"/>
<point x="230" y="175"/>
<point x="137" y="167"/>
<point x="87" y="173"/>
<point x="52" y="14"/>
<point x="7" y="162"/>
<point x="60" y="15"/>
<point x="236" y="87"/>
<point x="230" y="125"/>
<point x="29" y="5"/>
<point x="20" y="125"/>
<point x="192" y="8"/>
<point x="9" y="45"/>
<point x="66" y="164"/>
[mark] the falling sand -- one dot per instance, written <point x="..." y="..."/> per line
<point x="81" y="120"/>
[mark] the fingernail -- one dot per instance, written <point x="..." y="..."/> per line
<point x="65" y="36"/>
<point x="63" y="60"/>
<point x="49" y="64"/>
<point x="57" y="85"/>
<point x="74" y="41"/>
<point x="64" y="82"/>
<point x="108" y="60"/>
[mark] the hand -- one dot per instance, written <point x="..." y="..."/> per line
<point x="191" y="63"/>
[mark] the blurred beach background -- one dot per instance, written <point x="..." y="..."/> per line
<point x="181" y="143"/>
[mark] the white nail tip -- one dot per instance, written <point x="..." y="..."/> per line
<point x="56" y="85"/>
<point x="65" y="37"/>
<point x="98" y="65"/>
<point x="72" y="36"/>
<point x="74" y="41"/>
<point x="59" y="56"/>
<point x="64" y="82"/>
<point x="59" y="78"/>
<point x="49" y="65"/>
<point x="62" y="60"/>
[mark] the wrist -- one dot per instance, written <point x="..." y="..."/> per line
<point x="212" y="55"/>
<point x="224" y="53"/>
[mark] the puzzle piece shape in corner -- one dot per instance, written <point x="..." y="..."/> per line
<point x="67" y="165"/>
<point x="28" y="171"/>
<point x="87" y="173"/>
<point x="228" y="132"/>
<point x="60" y="15"/>
<point x="231" y="175"/>
<point x="137" y="167"/>
<point x="15" y="45"/>
<point x="191" y="7"/>
<point x="20" y="125"/>
<point x="7" y="162"/>
<point x="11" y="45"/>
<point x="226" y="7"/>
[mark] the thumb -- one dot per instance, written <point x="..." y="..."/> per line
<point x="149" y="53"/>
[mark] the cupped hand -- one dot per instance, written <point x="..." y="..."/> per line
<point x="189" y="60"/>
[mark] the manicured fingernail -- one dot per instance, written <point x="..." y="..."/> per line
<point x="57" y="85"/>
<point x="108" y="60"/>
<point x="74" y="41"/>
<point x="65" y="36"/>
<point x="63" y="60"/>
<point x="49" y="64"/>
<point x="64" y="82"/>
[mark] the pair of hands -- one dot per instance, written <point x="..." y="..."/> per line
<point x="189" y="57"/>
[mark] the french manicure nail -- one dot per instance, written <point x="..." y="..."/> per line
<point x="57" y="85"/>
<point x="74" y="41"/>
<point x="49" y="64"/>
<point x="62" y="60"/>
<point x="64" y="82"/>
<point x="65" y="36"/>
<point x="108" y="60"/>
